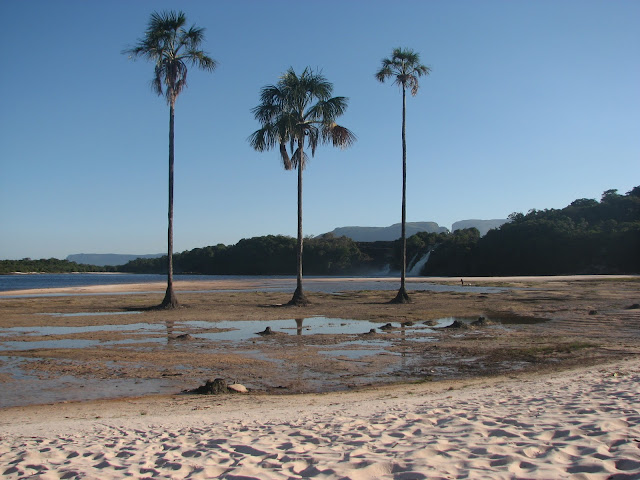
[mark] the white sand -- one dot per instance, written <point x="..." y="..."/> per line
<point x="582" y="424"/>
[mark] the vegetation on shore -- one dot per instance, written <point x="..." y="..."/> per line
<point x="49" y="265"/>
<point x="585" y="237"/>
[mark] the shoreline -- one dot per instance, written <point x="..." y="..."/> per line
<point x="581" y="423"/>
<point x="244" y="283"/>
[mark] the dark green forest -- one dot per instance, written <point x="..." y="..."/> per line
<point x="587" y="236"/>
<point x="48" y="265"/>
<point x="268" y="255"/>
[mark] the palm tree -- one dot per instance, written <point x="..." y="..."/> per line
<point x="171" y="47"/>
<point x="405" y="68"/>
<point x="295" y="111"/>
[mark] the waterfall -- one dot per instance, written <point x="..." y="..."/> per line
<point x="417" y="267"/>
<point x="386" y="270"/>
<point x="412" y="262"/>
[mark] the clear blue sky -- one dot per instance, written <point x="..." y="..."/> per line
<point x="530" y="104"/>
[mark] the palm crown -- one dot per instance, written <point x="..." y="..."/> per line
<point x="405" y="66"/>
<point x="299" y="108"/>
<point x="171" y="46"/>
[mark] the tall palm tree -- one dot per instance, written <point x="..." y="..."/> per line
<point x="171" y="46"/>
<point x="404" y="67"/>
<point x="299" y="110"/>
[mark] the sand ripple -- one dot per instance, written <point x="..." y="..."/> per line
<point x="582" y="425"/>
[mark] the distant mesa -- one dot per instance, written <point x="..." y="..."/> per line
<point x="387" y="234"/>
<point x="483" y="226"/>
<point x="357" y="234"/>
<point x="104" y="259"/>
<point x="393" y="232"/>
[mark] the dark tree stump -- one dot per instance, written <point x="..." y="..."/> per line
<point x="212" y="387"/>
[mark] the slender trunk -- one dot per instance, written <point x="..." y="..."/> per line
<point x="404" y="191"/>
<point x="300" y="239"/>
<point x="299" y="297"/>
<point x="170" y="300"/>
<point x="402" y="296"/>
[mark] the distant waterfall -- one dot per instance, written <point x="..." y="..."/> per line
<point x="386" y="270"/>
<point x="415" y="270"/>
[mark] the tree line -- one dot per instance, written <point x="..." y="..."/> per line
<point x="587" y="236"/>
<point x="48" y="265"/>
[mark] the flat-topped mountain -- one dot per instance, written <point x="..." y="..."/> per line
<point x="103" y="259"/>
<point x="483" y="226"/>
<point x="390" y="233"/>
<point x="357" y="234"/>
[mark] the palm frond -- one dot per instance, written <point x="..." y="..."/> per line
<point x="327" y="110"/>
<point x="338" y="136"/>
<point x="405" y="68"/>
<point x="299" y="159"/>
<point x="192" y="38"/>
<point x="312" y="136"/>
<point x="201" y="60"/>
<point x="265" y="112"/>
<point x="286" y="161"/>
<point x="271" y="95"/>
<point x="164" y="38"/>
<point x="299" y="108"/>
<point x="263" y="139"/>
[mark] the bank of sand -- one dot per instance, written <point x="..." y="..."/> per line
<point x="256" y="283"/>
<point x="580" y="424"/>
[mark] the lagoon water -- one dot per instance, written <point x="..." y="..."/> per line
<point x="12" y="282"/>
<point x="62" y="280"/>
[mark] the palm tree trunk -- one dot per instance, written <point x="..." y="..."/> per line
<point x="170" y="300"/>
<point x="402" y="296"/>
<point x="299" y="297"/>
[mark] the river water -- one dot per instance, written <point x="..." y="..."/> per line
<point x="13" y="282"/>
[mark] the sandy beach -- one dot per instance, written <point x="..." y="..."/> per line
<point x="550" y="394"/>
<point x="581" y="424"/>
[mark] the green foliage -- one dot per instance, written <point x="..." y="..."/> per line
<point x="299" y="110"/>
<point x="47" y="265"/>
<point x="404" y="67"/>
<point x="268" y="255"/>
<point x="585" y="237"/>
<point x="171" y="46"/>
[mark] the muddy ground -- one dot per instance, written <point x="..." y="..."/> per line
<point x="533" y="325"/>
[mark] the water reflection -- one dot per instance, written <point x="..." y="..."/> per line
<point x="170" y="336"/>
<point x="17" y="338"/>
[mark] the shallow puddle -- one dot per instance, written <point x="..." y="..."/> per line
<point x="89" y="314"/>
<point x="18" y="338"/>
<point x="365" y="352"/>
<point x="246" y="329"/>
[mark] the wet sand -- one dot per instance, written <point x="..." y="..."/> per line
<point x="552" y="323"/>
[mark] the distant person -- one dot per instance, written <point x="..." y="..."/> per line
<point x="462" y="282"/>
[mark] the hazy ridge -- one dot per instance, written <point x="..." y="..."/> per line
<point x="358" y="234"/>
<point x="103" y="259"/>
